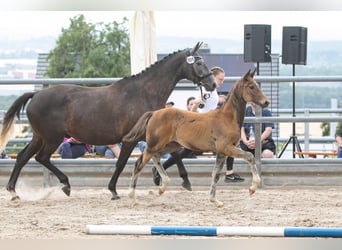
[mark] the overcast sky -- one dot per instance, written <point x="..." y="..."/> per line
<point x="322" y="25"/>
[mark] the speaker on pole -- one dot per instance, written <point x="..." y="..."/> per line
<point x="257" y="43"/>
<point x="294" y="45"/>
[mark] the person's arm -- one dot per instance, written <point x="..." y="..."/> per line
<point x="72" y="140"/>
<point x="267" y="132"/>
<point x="243" y="136"/>
<point x="195" y="105"/>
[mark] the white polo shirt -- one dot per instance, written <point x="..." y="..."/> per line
<point x="211" y="101"/>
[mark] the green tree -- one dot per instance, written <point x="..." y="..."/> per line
<point x="325" y="126"/>
<point x="91" y="50"/>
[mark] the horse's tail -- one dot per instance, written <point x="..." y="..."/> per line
<point x="138" y="132"/>
<point x="9" y="121"/>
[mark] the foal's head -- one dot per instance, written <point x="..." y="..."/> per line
<point x="251" y="90"/>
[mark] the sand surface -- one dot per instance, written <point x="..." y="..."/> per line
<point x="49" y="214"/>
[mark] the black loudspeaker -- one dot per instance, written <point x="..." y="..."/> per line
<point x="257" y="43"/>
<point x="294" y="45"/>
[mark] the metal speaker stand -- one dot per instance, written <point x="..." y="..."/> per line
<point x="293" y="138"/>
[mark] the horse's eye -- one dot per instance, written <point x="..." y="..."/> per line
<point x="251" y="86"/>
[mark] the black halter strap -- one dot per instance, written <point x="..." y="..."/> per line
<point x="205" y="76"/>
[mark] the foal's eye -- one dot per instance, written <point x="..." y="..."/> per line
<point x="251" y="86"/>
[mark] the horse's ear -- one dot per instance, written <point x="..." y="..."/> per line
<point x="253" y="73"/>
<point x="245" y="77"/>
<point x="195" y="48"/>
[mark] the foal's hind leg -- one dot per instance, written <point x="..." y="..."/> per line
<point x="139" y="165"/>
<point x="215" y="176"/>
<point x="43" y="157"/>
<point x="22" y="158"/>
<point x="162" y="172"/>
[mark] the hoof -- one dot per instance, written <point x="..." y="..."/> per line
<point x="160" y="191"/>
<point x="115" y="197"/>
<point x="15" y="198"/>
<point x="187" y="186"/>
<point x="218" y="203"/>
<point x="66" y="190"/>
<point x="251" y="192"/>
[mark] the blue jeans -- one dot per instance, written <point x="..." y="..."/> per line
<point x="71" y="151"/>
<point x="339" y="153"/>
<point x="104" y="151"/>
<point x="142" y="146"/>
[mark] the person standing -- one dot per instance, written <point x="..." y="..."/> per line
<point x="338" y="139"/>
<point x="212" y="102"/>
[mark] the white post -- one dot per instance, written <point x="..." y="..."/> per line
<point x="333" y="103"/>
<point x="306" y="132"/>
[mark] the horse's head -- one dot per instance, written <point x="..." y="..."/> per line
<point x="251" y="90"/>
<point x="197" y="71"/>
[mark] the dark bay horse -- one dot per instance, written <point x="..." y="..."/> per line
<point x="99" y="115"/>
<point x="166" y="130"/>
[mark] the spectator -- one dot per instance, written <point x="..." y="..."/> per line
<point x="108" y="151"/>
<point x="338" y="139"/>
<point x="3" y="155"/>
<point x="71" y="148"/>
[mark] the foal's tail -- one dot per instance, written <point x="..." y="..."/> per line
<point x="9" y="121"/>
<point x="138" y="132"/>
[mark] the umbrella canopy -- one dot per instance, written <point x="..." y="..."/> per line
<point x="142" y="41"/>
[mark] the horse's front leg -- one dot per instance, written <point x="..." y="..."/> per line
<point x="215" y="176"/>
<point x="162" y="172"/>
<point x="249" y="157"/>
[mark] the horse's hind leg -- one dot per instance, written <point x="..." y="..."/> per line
<point x="43" y="157"/>
<point x="22" y="158"/>
<point x="215" y="176"/>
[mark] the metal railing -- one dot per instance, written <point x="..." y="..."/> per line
<point x="268" y="167"/>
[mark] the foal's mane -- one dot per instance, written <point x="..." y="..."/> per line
<point x="236" y="102"/>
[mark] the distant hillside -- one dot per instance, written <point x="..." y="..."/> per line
<point x="324" y="58"/>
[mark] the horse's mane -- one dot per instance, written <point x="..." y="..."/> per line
<point x="154" y="64"/>
<point x="236" y="102"/>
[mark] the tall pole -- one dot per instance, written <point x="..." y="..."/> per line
<point x="293" y="111"/>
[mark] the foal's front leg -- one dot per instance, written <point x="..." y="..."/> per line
<point x="215" y="176"/>
<point x="249" y="157"/>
